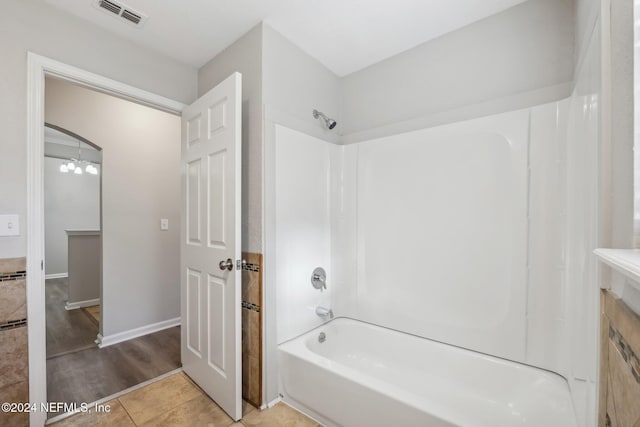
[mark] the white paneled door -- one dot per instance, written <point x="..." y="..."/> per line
<point x="211" y="249"/>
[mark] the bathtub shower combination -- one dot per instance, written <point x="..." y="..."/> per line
<point x="420" y="276"/>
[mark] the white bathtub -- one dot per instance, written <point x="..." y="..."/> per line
<point x="365" y="375"/>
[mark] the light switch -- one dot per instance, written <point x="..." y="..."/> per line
<point x="9" y="225"/>
<point x="164" y="224"/>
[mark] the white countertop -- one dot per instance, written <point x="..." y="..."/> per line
<point x="625" y="261"/>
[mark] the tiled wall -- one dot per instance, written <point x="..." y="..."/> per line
<point x="14" y="384"/>
<point x="619" y="364"/>
<point x="252" y="328"/>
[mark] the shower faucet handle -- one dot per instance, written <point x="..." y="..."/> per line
<point x="319" y="278"/>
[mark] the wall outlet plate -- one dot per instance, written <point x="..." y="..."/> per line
<point x="9" y="225"/>
<point x="164" y="224"/>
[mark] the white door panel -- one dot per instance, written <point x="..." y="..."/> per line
<point x="211" y="322"/>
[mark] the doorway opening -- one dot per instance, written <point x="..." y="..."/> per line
<point x="112" y="208"/>
<point x="41" y="70"/>
<point x="113" y="205"/>
<point x="140" y="229"/>
<point x="72" y="171"/>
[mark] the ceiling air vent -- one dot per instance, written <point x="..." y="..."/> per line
<point x="111" y="7"/>
<point x="121" y="11"/>
<point x="127" y="14"/>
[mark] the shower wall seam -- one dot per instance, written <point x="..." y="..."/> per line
<point x="528" y="240"/>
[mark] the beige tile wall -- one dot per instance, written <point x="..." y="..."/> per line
<point x="252" y="329"/>
<point x="619" y="364"/>
<point x="14" y="368"/>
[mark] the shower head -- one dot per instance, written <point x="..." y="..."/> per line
<point x="329" y="123"/>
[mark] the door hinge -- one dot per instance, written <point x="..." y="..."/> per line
<point x="42" y="264"/>
<point x="240" y="263"/>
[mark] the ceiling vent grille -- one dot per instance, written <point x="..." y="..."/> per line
<point x="135" y="18"/>
<point x="122" y="11"/>
<point x="111" y="7"/>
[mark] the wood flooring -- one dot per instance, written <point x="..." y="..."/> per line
<point x="67" y="331"/>
<point x="90" y="375"/>
<point x="94" y="312"/>
<point x="78" y="371"/>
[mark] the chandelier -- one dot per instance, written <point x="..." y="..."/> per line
<point x="76" y="165"/>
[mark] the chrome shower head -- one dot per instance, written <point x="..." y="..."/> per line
<point x="329" y="123"/>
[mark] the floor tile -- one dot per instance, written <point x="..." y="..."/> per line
<point x="175" y="401"/>
<point x="17" y="392"/>
<point x="12" y="265"/>
<point x="14" y="358"/>
<point x="153" y="400"/>
<point x="14" y="419"/>
<point x="611" y="408"/>
<point x="625" y="389"/>
<point x="13" y="304"/>
<point x="117" y="416"/>
<point x="247" y="407"/>
<point x="197" y="412"/>
<point x="279" y="415"/>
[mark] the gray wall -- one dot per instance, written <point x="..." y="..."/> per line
<point x="245" y="56"/>
<point x="622" y="123"/>
<point x="84" y="267"/>
<point x="32" y="25"/>
<point x="294" y="84"/>
<point x="619" y="168"/>
<point x="515" y="59"/>
<point x="70" y="202"/>
<point x="140" y="185"/>
<point x="278" y="78"/>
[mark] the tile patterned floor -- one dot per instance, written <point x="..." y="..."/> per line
<point x="176" y="401"/>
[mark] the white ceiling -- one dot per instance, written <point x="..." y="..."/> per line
<point x="345" y="35"/>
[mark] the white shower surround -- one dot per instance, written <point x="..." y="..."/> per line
<point x="425" y="265"/>
<point x="303" y="228"/>
<point x="437" y="232"/>
<point x="441" y="240"/>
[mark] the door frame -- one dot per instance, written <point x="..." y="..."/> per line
<point x="37" y="68"/>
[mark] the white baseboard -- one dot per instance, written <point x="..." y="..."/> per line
<point x="105" y="341"/>
<point x="56" y="276"/>
<point x="79" y="304"/>
<point x="271" y="404"/>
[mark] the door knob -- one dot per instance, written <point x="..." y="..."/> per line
<point x="226" y="265"/>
